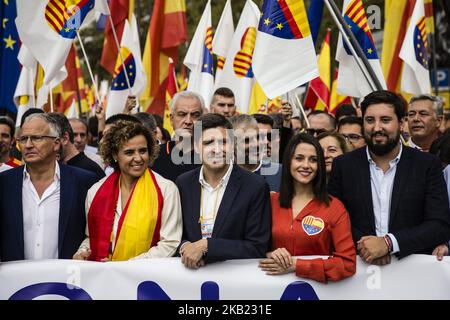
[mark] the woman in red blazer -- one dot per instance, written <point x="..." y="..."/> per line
<point x="307" y="221"/>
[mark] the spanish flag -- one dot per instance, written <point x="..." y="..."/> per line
<point x="73" y="85"/>
<point x="318" y="94"/>
<point x="171" y="90"/>
<point x="166" y="32"/>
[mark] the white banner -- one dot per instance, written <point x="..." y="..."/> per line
<point x="415" y="277"/>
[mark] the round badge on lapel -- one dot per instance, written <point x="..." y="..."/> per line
<point x="312" y="225"/>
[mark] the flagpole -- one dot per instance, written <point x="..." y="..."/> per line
<point x="118" y="49"/>
<point x="116" y="39"/>
<point x="51" y="99"/>
<point x="302" y="111"/>
<point x="88" y="66"/>
<point x="433" y="46"/>
<point x="354" y="46"/>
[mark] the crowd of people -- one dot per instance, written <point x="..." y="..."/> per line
<point x="371" y="180"/>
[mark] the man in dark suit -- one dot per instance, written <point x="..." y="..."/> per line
<point x="395" y="195"/>
<point x="42" y="212"/>
<point x="226" y="209"/>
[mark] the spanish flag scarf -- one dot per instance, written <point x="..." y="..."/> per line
<point x="139" y="224"/>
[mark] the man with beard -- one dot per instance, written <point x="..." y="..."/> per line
<point x="395" y="195"/>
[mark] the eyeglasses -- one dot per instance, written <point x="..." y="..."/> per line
<point x="34" y="139"/>
<point x="314" y="132"/>
<point x="352" y="136"/>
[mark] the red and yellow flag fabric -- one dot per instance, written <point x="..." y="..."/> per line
<point x="335" y="98"/>
<point x="166" y="32"/>
<point x="171" y="90"/>
<point x="120" y="11"/>
<point x="397" y="14"/>
<point x="318" y="94"/>
<point x="132" y="239"/>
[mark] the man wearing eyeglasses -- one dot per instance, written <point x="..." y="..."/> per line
<point x="42" y="212"/>
<point x="351" y="129"/>
<point x="320" y="122"/>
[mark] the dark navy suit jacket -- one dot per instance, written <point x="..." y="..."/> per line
<point x="74" y="185"/>
<point x="419" y="216"/>
<point x="242" y="227"/>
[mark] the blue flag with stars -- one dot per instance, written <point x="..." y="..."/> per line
<point x="9" y="65"/>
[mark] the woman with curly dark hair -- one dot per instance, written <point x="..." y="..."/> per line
<point x="133" y="213"/>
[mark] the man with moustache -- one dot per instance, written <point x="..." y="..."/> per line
<point x="177" y="156"/>
<point x="226" y="209"/>
<point x="425" y="114"/>
<point x="395" y="195"/>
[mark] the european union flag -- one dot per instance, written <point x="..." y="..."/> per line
<point x="9" y="65"/>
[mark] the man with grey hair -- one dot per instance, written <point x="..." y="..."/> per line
<point x="178" y="156"/>
<point x="250" y="150"/>
<point x="42" y="212"/>
<point x="425" y="113"/>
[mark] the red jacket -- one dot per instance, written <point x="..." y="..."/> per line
<point x="316" y="230"/>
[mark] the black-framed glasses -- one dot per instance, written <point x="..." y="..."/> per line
<point x="315" y="132"/>
<point x="34" y="139"/>
<point x="352" y="136"/>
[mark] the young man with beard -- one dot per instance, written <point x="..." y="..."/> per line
<point x="395" y="195"/>
<point x="226" y="209"/>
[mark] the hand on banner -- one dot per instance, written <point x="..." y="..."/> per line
<point x="384" y="260"/>
<point x="82" y="254"/>
<point x="192" y="254"/>
<point x="281" y="256"/>
<point x="130" y="104"/>
<point x="440" y="251"/>
<point x="286" y="112"/>
<point x="271" y="267"/>
<point x="371" y="248"/>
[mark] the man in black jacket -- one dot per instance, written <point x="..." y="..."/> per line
<point x="395" y="195"/>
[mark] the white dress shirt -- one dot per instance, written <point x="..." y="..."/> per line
<point x="41" y="218"/>
<point x="382" y="184"/>
<point x="210" y="201"/>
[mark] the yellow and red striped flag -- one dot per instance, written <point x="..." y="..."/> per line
<point x="166" y="32"/>
<point x="171" y="90"/>
<point x="397" y="14"/>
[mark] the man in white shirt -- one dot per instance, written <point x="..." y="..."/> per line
<point x="41" y="203"/>
<point x="226" y="209"/>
